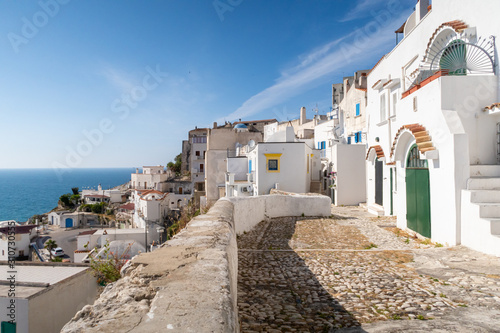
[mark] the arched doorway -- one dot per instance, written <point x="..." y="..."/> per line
<point x="418" y="203"/>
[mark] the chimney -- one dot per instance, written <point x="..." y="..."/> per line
<point x="302" y="115"/>
<point x="215" y="124"/>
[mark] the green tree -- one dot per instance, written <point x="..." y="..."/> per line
<point x="65" y="200"/>
<point x="50" y="245"/>
<point x="176" y="165"/>
<point x="75" y="190"/>
<point x="75" y="199"/>
<point x="98" y="208"/>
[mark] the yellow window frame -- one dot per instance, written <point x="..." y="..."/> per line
<point x="272" y="157"/>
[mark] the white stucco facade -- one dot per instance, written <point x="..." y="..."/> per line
<point x="414" y="100"/>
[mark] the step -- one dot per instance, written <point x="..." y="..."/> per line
<point x="485" y="170"/>
<point x="485" y="196"/>
<point x="489" y="210"/>
<point x="495" y="226"/>
<point x="483" y="183"/>
<point x="376" y="210"/>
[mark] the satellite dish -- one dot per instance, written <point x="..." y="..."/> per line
<point x="251" y="143"/>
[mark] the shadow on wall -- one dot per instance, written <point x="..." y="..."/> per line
<point x="276" y="288"/>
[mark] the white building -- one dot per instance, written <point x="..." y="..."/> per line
<point x="352" y="109"/>
<point x="303" y="127"/>
<point x="343" y="166"/>
<point x="432" y="134"/>
<point x="22" y="238"/>
<point x="285" y="164"/>
<point x="87" y="241"/>
<point x="222" y="143"/>
<point x="47" y="296"/>
<point x="150" y="206"/>
<point x="92" y="196"/>
<point x="151" y="178"/>
<point x="67" y="219"/>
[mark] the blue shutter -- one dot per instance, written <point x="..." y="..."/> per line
<point x="357" y="109"/>
<point x="323" y="144"/>
<point x="249" y="166"/>
<point x="349" y="140"/>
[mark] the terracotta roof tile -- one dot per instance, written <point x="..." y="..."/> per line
<point x="88" y="232"/>
<point x="378" y="150"/>
<point x="423" y="140"/>
<point x="456" y="25"/>
<point x="492" y="106"/>
<point x="128" y="206"/>
<point x="19" y="229"/>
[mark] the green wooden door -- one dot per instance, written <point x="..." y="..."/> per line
<point x="418" y="203"/>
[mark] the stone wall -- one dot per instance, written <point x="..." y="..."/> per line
<point x="190" y="284"/>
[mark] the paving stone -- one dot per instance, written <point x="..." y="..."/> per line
<point x="304" y="274"/>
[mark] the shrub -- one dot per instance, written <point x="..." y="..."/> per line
<point x="107" y="269"/>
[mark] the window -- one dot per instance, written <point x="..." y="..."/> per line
<point x="197" y="153"/>
<point x="199" y="139"/>
<point x="348" y="140"/>
<point x="323" y="144"/>
<point x="383" y="113"/>
<point x="273" y="162"/>
<point x="307" y="163"/>
<point x="357" y="137"/>
<point x="357" y="109"/>
<point x="273" y="165"/>
<point x="201" y="167"/>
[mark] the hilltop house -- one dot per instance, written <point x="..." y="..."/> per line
<point x="433" y="126"/>
<point x="92" y="196"/>
<point x="151" y="178"/>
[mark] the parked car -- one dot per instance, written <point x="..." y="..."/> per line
<point x="57" y="252"/>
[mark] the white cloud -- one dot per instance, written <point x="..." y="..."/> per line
<point x="361" y="9"/>
<point x="118" y="79"/>
<point x="350" y="50"/>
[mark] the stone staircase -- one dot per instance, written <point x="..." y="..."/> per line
<point x="480" y="229"/>
<point x="315" y="187"/>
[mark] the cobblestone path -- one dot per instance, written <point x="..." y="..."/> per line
<point x="329" y="274"/>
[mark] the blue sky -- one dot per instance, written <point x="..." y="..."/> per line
<point x="119" y="84"/>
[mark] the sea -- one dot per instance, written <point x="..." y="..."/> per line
<point x="26" y="192"/>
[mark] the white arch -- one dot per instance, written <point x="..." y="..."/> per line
<point x="403" y="144"/>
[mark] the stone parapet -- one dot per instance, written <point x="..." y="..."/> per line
<point x="190" y="283"/>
